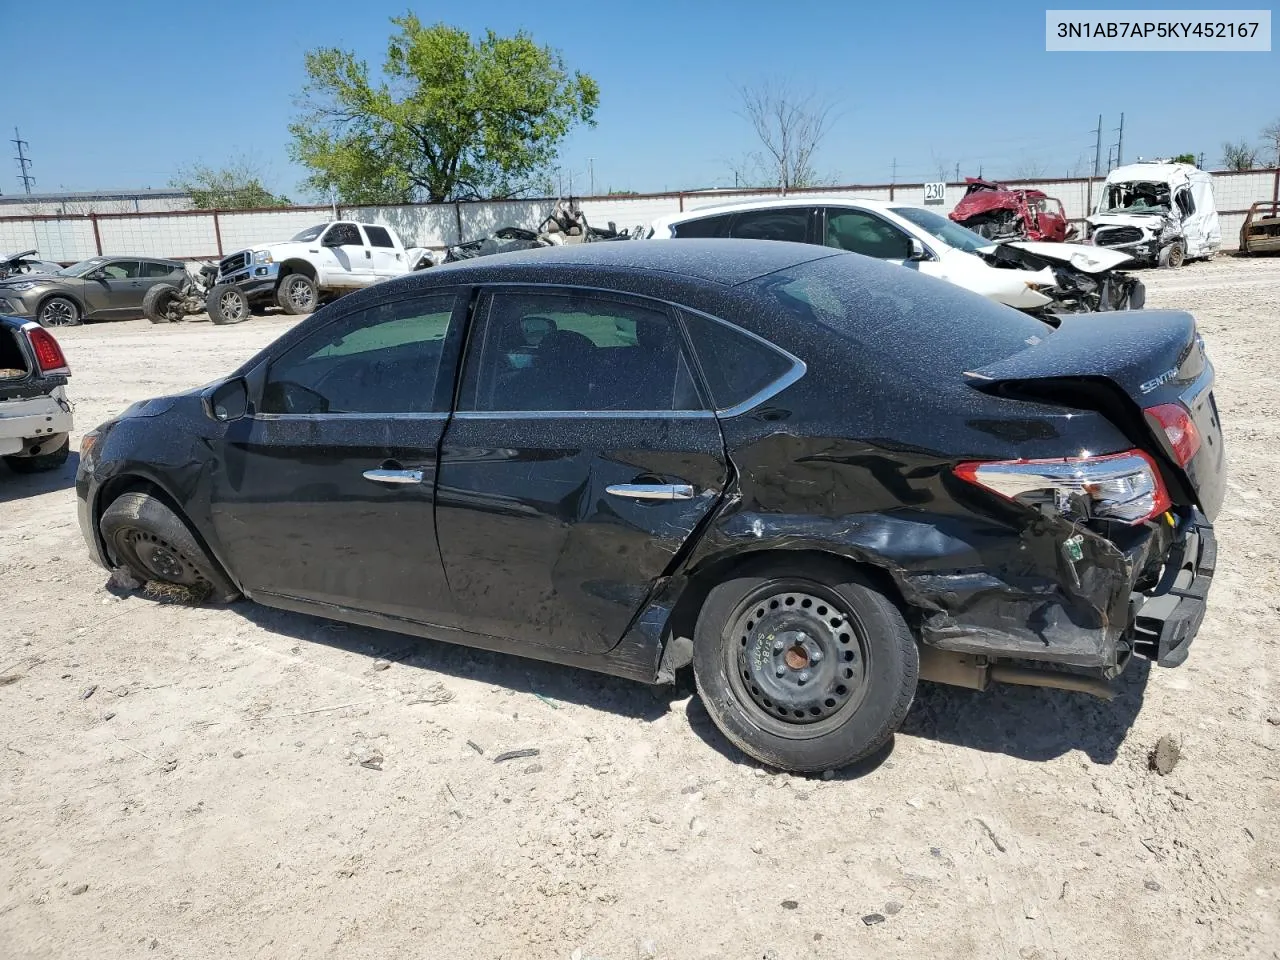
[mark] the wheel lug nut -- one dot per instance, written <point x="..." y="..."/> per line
<point x="804" y="676"/>
<point x="815" y="656"/>
<point x="781" y="671"/>
<point x="777" y="646"/>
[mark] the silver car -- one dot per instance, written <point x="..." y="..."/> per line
<point x="100" y="288"/>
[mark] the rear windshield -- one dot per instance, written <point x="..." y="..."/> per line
<point x="918" y="326"/>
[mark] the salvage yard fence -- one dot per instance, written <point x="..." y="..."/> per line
<point x="210" y="234"/>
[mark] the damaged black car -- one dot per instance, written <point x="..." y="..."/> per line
<point x="815" y="477"/>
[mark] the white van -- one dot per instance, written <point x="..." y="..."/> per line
<point x="1161" y="214"/>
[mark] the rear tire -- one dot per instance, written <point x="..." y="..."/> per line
<point x="41" y="462"/>
<point x="757" y="674"/>
<point x="227" y="304"/>
<point x="297" y="294"/>
<point x="163" y="304"/>
<point x="59" y="312"/>
<point x="145" y="536"/>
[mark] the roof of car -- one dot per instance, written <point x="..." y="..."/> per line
<point x="765" y="203"/>
<point x="728" y="262"/>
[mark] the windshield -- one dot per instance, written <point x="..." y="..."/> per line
<point x="311" y="233"/>
<point x="1142" y="196"/>
<point x="81" y="268"/>
<point x="952" y="234"/>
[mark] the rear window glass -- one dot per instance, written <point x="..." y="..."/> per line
<point x="735" y="365"/>
<point x="919" y="326"/>
<point x="378" y="237"/>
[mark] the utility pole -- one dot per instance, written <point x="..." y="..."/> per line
<point x="591" y="169"/>
<point x="1201" y="163"/>
<point x="957" y="179"/>
<point x="1097" y="147"/>
<point x="1120" y="144"/>
<point x="1109" y="150"/>
<point x="894" y="176"/>
<point x="24" y="162"/>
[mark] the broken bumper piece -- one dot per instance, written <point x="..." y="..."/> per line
<point x="1168" y="618"/>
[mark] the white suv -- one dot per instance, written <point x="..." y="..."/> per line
<point x="1021" y="274"/>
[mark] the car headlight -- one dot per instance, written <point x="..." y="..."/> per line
<point x="262" y="256"/>
<point x="24" y="285"/>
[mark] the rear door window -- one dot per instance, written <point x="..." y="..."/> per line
<point x="379" y="237"/>
<point x="703" y="228"/>
<point x="576" y="351"/>
<point x="156" y="271"/>
<point x="780" y="223"/>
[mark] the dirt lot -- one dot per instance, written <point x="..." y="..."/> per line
<point x="188" y="783"/>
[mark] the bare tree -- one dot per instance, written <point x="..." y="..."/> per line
<point x="1271" y="136"/>
<point x="790" y="125"/>
<point x="1239" y="156"/>
<point x="1028" y="168"/>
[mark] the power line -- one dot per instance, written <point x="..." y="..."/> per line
<point x="23" y="161"/>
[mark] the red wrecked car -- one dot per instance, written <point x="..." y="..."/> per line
<point x="1005" y="213"/>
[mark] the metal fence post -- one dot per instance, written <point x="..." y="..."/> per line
<point x="97" y="235"/>
<point x="217" y="233"/>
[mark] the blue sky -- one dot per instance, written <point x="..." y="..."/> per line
<point x="123" y="94"/>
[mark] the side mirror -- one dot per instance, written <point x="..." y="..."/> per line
<point x="227" y="401"/>
<point x="918" y="252"/>
<point x="96" y="275"/>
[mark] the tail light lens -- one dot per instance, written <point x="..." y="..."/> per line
<point x="1179" y="429"/>
<point x="48" y="354"/>
<point x="1121" y="486"/>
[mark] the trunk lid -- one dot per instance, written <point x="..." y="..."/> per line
<point x="1151" y="357"/>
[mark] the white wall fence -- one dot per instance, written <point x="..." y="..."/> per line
<point x="205" y="234"/>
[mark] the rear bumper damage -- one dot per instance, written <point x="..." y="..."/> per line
<point x="1146" y="599"/>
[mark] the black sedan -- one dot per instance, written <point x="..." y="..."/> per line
<point x="816" y="477"/>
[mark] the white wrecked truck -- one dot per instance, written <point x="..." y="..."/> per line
<point x="329" y="258"/>
<point x="1161" y="214"/>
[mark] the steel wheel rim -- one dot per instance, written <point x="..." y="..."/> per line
<point x="299" y="293"/>
<point x="1176" y="255"/>
<point x="57" y="313"/>
<point x="774" y="634"/>
<point x="233" y="306"/>
<point x="158" y="558"/>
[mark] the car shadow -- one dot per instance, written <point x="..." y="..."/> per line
<point x="1029" y="723"/>
<point x="18" y="486"/>
<point x="551" y="681"/>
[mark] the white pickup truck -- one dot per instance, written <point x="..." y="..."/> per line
<point x="329" y="258"/>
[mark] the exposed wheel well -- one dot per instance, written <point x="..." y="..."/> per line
<point x="116" y="487"/>
<point x="297" y="266"/>
<point x="684" y="616"/>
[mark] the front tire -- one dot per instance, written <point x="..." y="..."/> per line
<point x="1173" y="256"/>
<point x="59" y="312"/>
<point x="227" y="304"/>
<point x="144" y="535"/>
<point x="297" y="294"/>
<point x="163" y="304"/>
<point x="805" y="666"/>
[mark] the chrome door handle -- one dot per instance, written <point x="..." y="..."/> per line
<point x="651" y="491"/>
<point x="394" y="476"/>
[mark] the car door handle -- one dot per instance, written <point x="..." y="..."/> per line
<point x="368" y="255"/>
<point x="394" y="476"/>
<point x="651" y="491"/>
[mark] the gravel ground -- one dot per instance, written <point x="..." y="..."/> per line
<point x="240" y="782"/>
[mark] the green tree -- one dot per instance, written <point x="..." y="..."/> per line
<point x="1185" y="158"/>
<point x="235" y="186"/>
<point x="451" y="117"/>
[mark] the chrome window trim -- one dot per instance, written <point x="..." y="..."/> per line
<point x="584" y="415"/>
<point x="270" y="417"/>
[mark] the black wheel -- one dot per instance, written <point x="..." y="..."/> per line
<point x="227" y="304"/>
<point x="41" y="461"/>
<point x="805" y="666"/>
<point x="297" y="294"/>
<point x="59" y="312"/>
<point x="163" y="304"/>
<point x="148" y="538"/>
<point x="1173" y="255"/>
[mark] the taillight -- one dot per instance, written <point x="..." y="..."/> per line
<point x="48" y="354"/>
<point x="1119" y="486"/>
<point x="1179" y="429"/>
